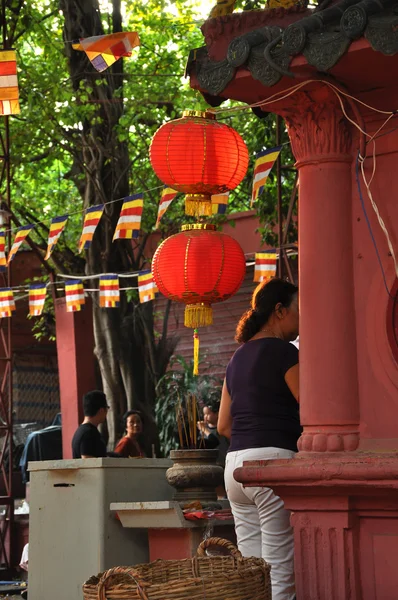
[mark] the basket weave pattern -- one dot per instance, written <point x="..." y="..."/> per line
<point x="203" y="577"/>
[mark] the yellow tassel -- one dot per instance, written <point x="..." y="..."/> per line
<point x="195" y="352"/>
<point x="198" y="205"/>
<point x="198" y="315"/>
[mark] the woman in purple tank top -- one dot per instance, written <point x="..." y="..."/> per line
<point x="259" y="414"/>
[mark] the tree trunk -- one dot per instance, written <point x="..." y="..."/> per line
<point x="130" y="360"/>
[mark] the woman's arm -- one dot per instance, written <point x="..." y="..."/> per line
<point x="292" y="380"/>
<point x="224" y="424"/>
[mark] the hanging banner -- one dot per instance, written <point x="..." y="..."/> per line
<point x="7" y="303"/>
<point x="265" y="160"/>
<point x="265" y="266"/>
<point x="9" y="92"/>
<point x="166" y="198"/>
<point x="56" y="228"/>
<point x="219" y="203"/>
<point x="109" y="295"/>
<point x="147" y="287"/>
<point x="129" y="223"/>
<point x="74" y="294"/>
<point x="91" y="219"/>
<point x="37" y="296"/>
<point x="20" y="236"/>
<point x="104" y="50"/>
<point x="3" y="259"/>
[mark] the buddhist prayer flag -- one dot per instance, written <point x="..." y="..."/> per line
<point x="9" y="93"/>
<point x="20" y="236"/>
<point x="37" y="296"/>
<point x="56" y="228"/>
<point x="109" y="291"/>
<point x="146" y="286"/>
<point x="104" y="50"/>
<point x="265" y="266"/>
<point x="129" y="223"/>
<point x="219" y="203"/>
<point x="167" y="197"/>
<point x="74" y="294"/>
<point x="3" y="260"/>
<point x="91" y="220"/>
<point x="262" y="167"/>
<point x="7" y="303"/>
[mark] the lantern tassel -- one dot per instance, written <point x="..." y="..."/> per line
<point x="198" y="315"/>
<point x="198" y="205"/>
<point x="196" y="352"/>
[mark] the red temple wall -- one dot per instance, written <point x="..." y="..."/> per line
<point x="377" y="367"/>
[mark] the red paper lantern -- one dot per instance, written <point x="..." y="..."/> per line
<point x="199" y="266"/>
<point x="200" y="157"/>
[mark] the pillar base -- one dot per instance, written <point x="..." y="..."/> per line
<point x="345" y="520"/>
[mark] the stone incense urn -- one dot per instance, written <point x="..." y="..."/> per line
<point x="195" y="475"/>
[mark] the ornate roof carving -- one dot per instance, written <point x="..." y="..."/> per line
<point x="322" y="36"/>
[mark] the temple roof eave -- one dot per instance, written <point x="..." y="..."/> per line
<point x="275" y="56"/>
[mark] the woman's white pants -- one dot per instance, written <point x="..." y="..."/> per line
<point x="262" y="524"/>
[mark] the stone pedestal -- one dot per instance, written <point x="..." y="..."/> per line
<point x="73" y="533"/>
<point x="345" y="520"/>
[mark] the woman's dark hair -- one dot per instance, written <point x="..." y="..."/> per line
<point x="129" y="413"/>
<point x="265" y="297"/>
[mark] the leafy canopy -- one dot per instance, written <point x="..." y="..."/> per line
<point x="46" y="135"/>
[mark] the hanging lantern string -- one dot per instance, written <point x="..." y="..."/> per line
<point x="196" y="346"/>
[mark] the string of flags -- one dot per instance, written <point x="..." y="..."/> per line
<point x="109" y="287"/>
<point x="265" y="266"/>
<point x="74" y="295"/>
<point x="109" y="295"/>
<point x="9" y="91"/>
<point x="56" y="228"/>
<point x="37" y="297"/>
<point x="166" y="199"/>
<point x="104" y="50"/>
<point x="127" y="227"/>
<point x="91" y="219"/>
<point x="147" y="287"/>
<point x="129" y="223"/>
<point x="264" y="162"/>
<point x="7" y="303"/>
<point x="101" y="50"/>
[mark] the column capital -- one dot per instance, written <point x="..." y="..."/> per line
<point x="317" y="126"/>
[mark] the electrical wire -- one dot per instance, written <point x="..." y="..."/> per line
<point x="357" y="162"/>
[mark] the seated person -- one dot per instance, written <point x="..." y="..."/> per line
<point x="129" y="446"/>
<point x="87" y="441"/>
<point x="210" y="436"/>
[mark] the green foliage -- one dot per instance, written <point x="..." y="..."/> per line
<point x="47" y="134"/>
<point x="173" y="388"/>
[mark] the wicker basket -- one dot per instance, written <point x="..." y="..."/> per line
<point x="225" y="576"/>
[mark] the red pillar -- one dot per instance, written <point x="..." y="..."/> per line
<point x="75" y="344"/>
<point x="321" y="143"/>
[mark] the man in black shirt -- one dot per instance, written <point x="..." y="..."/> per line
<point x="87" y="441"/>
